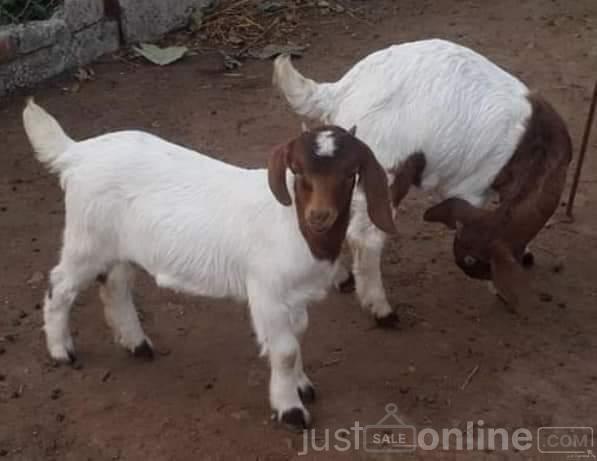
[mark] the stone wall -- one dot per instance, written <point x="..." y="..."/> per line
<point x="81" y="31"/>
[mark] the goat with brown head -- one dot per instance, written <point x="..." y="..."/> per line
<point x="490" y="244"/>
<point x="326" y="163"/>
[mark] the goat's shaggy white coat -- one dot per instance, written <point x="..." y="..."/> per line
<point x="196" y="224"/>
<point x="465" y="114"/>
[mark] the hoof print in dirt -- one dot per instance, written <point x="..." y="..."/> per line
<point x="388" y="322"/>
<point x="144" y="351"/>
<point x="348" y="285"/>
<point x="307" y="395"/>
<point x="294" y="419"/>
<point x="528" y="260"/>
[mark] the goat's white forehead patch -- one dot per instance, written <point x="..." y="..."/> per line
<point x="326" y="144"/>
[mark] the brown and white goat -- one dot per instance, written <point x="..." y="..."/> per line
<point x="491" y="244"/>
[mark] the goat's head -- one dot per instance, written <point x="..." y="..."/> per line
<point x="326" y="163"/>
<point x="479" y="247"/>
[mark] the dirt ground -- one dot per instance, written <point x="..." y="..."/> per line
<point x="205" y="395"/>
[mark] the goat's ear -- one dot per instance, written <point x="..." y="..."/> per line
<point x="353" y="130"/>
<point x="508" y="276"/>
<point x="373" y="179"/>
<point x="276" y="174"/>
<point x="454" y="213"/>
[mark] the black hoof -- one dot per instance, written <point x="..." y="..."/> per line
<point x="528" y="260"/>
<point x="348" y="285"/>
<point x="144" y="351"/>
<point x="389" y="321"/>
<point x="294" y="419"/>
<point x="307" y="395"/>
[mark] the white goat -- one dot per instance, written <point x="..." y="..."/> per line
<point x="442" y="117"/>
<point x="208" y="228"/>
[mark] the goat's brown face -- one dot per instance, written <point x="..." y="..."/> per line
<point x="326" y="162"/>
<point x="471" y="251"/>
<point x="478" y="248"/>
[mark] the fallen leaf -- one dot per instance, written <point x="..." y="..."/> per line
<point x="161" y="56"/>
<point x="271" y="51"/>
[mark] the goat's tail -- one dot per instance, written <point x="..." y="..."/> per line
<point x="46" y="136"/>
<point x="305" y="96"/>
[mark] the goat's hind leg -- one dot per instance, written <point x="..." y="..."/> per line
<point x="67" y="279"/>
<point x="120" y="312"/>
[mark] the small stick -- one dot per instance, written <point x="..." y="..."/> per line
<point x="469" y="377"/>
<point x="581" y="155"/>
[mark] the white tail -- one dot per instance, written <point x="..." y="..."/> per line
<point x="305" y="96"/>
<point x="45" y="134"/>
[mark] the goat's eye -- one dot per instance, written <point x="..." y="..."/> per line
<point x="470" y="260"/>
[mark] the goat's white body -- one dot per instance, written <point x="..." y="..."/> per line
<point x="464" y="113"/>
<point x="197" y="224"/>
<point x="194" y="223"/>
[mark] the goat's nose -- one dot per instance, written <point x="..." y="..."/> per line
<point x="319" y="216"/>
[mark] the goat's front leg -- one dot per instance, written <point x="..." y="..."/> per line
<point x="299" y="323"/>
<point x="272" y="322"/>
<point x="366" y="243"/>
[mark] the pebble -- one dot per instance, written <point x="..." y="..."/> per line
<point x="36" y="278"/>
<point x="56" y="394"/>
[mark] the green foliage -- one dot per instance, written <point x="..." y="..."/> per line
<point x="20" y="11"/>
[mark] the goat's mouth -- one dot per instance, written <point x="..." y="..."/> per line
<point x="479" y="271"/>
<point x="318" y="228"/>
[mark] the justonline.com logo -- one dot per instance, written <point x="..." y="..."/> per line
<point x="392" y="435"/>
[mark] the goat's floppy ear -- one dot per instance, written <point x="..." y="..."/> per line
<point x="454" y="212"/>
<point x="276" y="174"/>
<point x="508" y="276"/>
<point x="374" y="181"/>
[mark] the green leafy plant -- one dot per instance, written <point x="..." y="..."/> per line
<point x="20" y="11"/>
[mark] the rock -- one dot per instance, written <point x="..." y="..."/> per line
<point x="79" y="14"/>
<point x="146" y="20"/>
<point x="36" y="35"/>
<point x="36" y="278"/>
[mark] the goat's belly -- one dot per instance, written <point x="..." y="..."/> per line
<point x="205" y="281"/>
<point x="203" y="286"/>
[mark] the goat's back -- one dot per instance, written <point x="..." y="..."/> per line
<point x="463" y="112"/>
